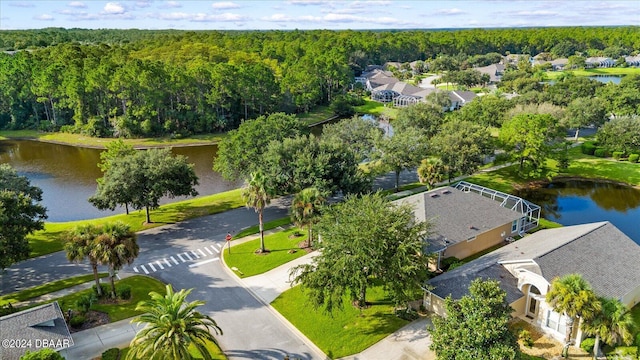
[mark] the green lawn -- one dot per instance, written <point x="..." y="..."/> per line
<point x="47" y="288"/>
<point x="244" y="258"/>
<point x="344" y="332"/>
<point x="140" y="288"/>
<point x="88" y="141"/>
<point x="251" y="230"/>
<point x="319" y="113"/>
<point x="590" y="72"/>
<point x="50" y="239"/>
<point x="377" y="109"/>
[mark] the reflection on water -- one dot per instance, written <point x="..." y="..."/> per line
<point x="67" y="175"/>
<point x="581" y="201"/>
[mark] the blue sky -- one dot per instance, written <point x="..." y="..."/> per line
<point x="313" y="14"/>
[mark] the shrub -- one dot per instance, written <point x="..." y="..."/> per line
<point x="77" y="321"/>
<point x="111" y="354"/>
<point x="637" y="341"/>
<point x="42" y="354"/>
<point x="407" y="314"/>
<point x="106" y="290"/>
<point x="123" y="292"/>
<point x="634" y="158"/>
<point x="7" y="309"/>
<point x="587" y="344"/>
<point x="617" y="154"/>
<point x="599" y="152"/>
<point x="588" y="148"/>
<point x="526" y="338"/>
<point x="446" y="263"/>
<point x="84" y="302"/>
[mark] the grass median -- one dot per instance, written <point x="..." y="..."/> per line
<point x="47" y="288"/>
<point x="346" y="331"/>
<point x="51" y="238"/>
<point x="283" y="247"/>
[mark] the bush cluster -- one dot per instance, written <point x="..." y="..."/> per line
<point x="526" y="338"/>
<point x="123" y="292"/>
<point x="111" y="354"/>
<point x="588" y="148"/>
<point x="633" y="158"/>
<point x="599" y="152"/>
<point x="587" y="345"/>
<point x="77" y="321"/>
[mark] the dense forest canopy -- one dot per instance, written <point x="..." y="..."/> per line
<point x="149" y="82"/>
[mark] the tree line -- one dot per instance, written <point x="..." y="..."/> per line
<point x="131" y="83"/>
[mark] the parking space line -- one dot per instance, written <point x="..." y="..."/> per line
<point x="187" y="255"/>
<point x="174" y="260"/>
<point x="144" y="269"/>
<point x="152" y="267"/>
<point x="167" y="262"/>
<point x="158" y="262"/>
<point x="209" y="251"/>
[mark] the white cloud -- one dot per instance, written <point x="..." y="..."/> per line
<point x="114" y="8"/>
<point x="22" y="4"/>
<point x="44" y="17"/>
<point x="454" y="11"/>
<point x="535" y="13"/>
<point x="307" y="2"/>
<point x="77" y="4"/>
<point x="198" y="17"/>
<point x="336" y="18"/>
<point x="367" y="4"/>
<point x="170" y="5"/>
<point x="142" y="3"/>
<point x="278" y="18"/>
<point x="225" y="5"/>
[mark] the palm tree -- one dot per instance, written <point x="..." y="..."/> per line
<point x="115" y="246"/>
<point x="430" y="172"/>
<point x="613" y="324"/>
<point x="80" y="246"/>
<point x="257" y="194"/>
<point x="573" y="296"/>
<point x="172" y="325"/>
<point x="305" y="209"/>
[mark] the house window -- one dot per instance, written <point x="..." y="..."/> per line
<point x="514" y="226"/>
<point x="556" y="322"/>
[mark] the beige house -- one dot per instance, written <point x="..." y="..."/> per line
<point x="467" y="218"/>
<point x="602" y="254"/>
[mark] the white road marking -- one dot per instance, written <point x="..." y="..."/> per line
<point x="214" y="249"/>
<point x="187" y="255"/>
<point x="118" y="276"/>
<point x="219" y="245"/>
<point x="174" y="260"/>
<point x="135" y="269"/>
<point x="158" y="262"/>
<point x="181" y="259"/>
<point x="194" y="254"/>
<point x="209" y="251"/>
<point x="167" y="262"/>
<point x="202" y="252"/>
<point x="152" y="267"/>
<point x="203" y="262"/>
<point x="144" y="269"/>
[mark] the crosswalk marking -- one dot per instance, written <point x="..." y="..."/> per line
<point x="167" y="262"/>
<point x="144" y="269"/>
<point x="214" y="249"/>
<point x="152" y="267"/>
<point x="158" y="262"/>
<point x="209" y="251"/>
<point x="219" y="245"/>
<point x="174" y="260"/>
<point x="202" y="252"/>
<point x="135" y="269"/>
<point x="181" y="259"/>
<point x="195" y="254"/>
<point x="187" y="256"/>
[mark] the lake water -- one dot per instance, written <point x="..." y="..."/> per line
<point x="583" y="201"/>
<point x="67" y="174"/>
<point x="606" y="78"/>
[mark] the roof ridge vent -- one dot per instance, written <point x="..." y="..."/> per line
<point x="446" y="191"/>
<point x="434" y="195"/>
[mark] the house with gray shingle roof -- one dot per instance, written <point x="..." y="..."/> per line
<point x="600" y="252"/>
<point x="467" y="218"/>
<point x="33" y="329"/>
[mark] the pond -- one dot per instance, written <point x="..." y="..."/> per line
<point x="572" y="202"/>
<point x="67" y="174"/>
<point x="606" y="78"/>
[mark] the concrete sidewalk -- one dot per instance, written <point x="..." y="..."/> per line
<point x="91" y="343"/>
<point x="408" y="343"/>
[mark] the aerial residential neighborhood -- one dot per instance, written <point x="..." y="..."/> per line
<point x="375" y="180"/>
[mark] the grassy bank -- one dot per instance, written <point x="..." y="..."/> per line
<point x="51" y="238"/>
<point x="616" y="71"/>
<point x="344" y="332"/>
<point x="88" y="141"/>
<point x="47" y="288"/>
<point x="377" y="109"/>
<point x="319" y="113"/>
